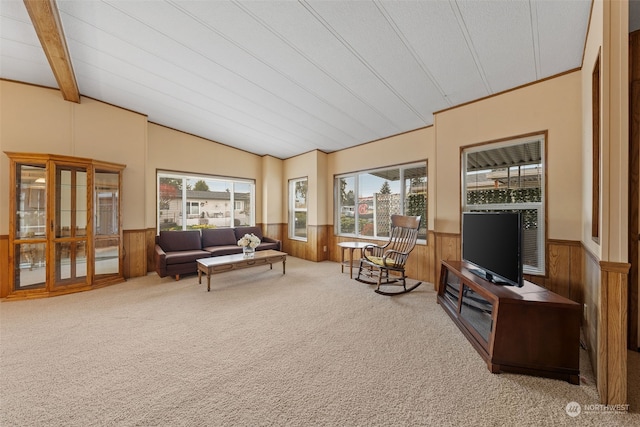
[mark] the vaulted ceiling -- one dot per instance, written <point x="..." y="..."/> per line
<point x="283" y="78"/>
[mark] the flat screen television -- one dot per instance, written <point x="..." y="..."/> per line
<point x="492" y="242"/>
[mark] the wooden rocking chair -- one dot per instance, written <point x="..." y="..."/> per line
<point x="391" y="257"/>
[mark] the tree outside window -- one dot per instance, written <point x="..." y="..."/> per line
<point x="298" y="208"/>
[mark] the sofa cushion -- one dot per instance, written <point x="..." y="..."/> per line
<point x="223" y="250"/>
<point x="181" y="257"/>
<point x="241" y="231"/>
<point x="187" y="240"/>
<point x="218" y="237"/>
<point x="263" y="246"/>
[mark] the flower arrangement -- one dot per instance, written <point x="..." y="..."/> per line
<point x="249" y="241"/>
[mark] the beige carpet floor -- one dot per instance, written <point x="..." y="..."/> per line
<point x="264" y="349"/>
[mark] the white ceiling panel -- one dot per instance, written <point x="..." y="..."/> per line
<point x="385" y="58"/>
<point x="166" y="78"/>
<point x="261" y="37"/>
<point x="283" y="78"/>
<point x="431" y="31"/>
<point x="336" y="67"/>
<point x="218" y="58"/>
<point x="561" y="30"/>
<point x="500" y="35"/>
<point x="21" y="55"/>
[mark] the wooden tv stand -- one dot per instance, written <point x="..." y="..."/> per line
<point x="528" y="330"/>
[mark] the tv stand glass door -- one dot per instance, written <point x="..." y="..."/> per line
<point x="477" y="312"/>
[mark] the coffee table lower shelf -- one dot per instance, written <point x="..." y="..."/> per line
<point x="222" y="264"/>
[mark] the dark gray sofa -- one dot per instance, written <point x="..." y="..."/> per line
<point x="176" y="252"/>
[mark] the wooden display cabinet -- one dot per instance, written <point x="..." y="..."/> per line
<point x="65" y="232"/>
<point x="525" y="330"/>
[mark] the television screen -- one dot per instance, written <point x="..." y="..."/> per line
<point x="492" y="241"/>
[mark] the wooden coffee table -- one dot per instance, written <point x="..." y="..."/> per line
<point x="221" y="264"/>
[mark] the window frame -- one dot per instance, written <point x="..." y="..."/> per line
<point x="185" y="214"/>
<point x="595" y="159"/>
<point x="190" y="208"/>
<point x="293" y="209"/>
<point x="338" y="208"/>
<point x="540" y="207"/>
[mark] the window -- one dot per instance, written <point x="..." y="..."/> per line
<point x="202" y="201"/>
<point x="298" y="209"/>
<point x="193" y="209"/>
<point x="509" y="176"/>
<point x="366" y="200"/>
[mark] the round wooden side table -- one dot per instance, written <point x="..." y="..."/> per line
<point x="352" y="246"/>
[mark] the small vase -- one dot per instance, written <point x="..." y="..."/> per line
<point x="248" y="251"/>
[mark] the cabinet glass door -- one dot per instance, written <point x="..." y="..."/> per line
<point x="30" y="263"/>
<point x="70" y="231"/>
<point x="107" y="223"/>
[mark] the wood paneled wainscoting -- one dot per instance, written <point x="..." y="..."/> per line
<point x="605" y="325"/>
<point x="313" y="248"/>
<point x="5" y="287"/>
<point x="135" y="253"/>
<point x="419" y="266"/>
<point x="150" y="237"/>
<point x="447" y="248"/>
<point x="564" y="270"/>
<point x="275" y="231"/>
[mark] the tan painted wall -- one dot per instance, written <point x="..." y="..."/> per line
<point x="272" y="196"/>
<point x="606" y="268"/>
<point x="38" y="120"/>
<point x="615" y="130"/>
<point x="553" y="105"/>
<point x="325" y="191"/>
<point x="313" y="166"/>
<point x="171" y="150"/>
<point x="593" y="47"/>
<point x="608" y="34"/>
<point x="591" y="274"/>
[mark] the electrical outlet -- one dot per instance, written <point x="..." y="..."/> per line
<point x="324" y="249"/>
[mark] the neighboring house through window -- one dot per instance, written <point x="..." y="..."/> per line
<point x="187" y="201"/>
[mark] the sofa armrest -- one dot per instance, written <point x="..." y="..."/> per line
<point x="272" y="240"/>
<point x="160" y="258"/>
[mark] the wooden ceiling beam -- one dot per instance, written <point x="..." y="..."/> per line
<point x="46" y="20"/>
